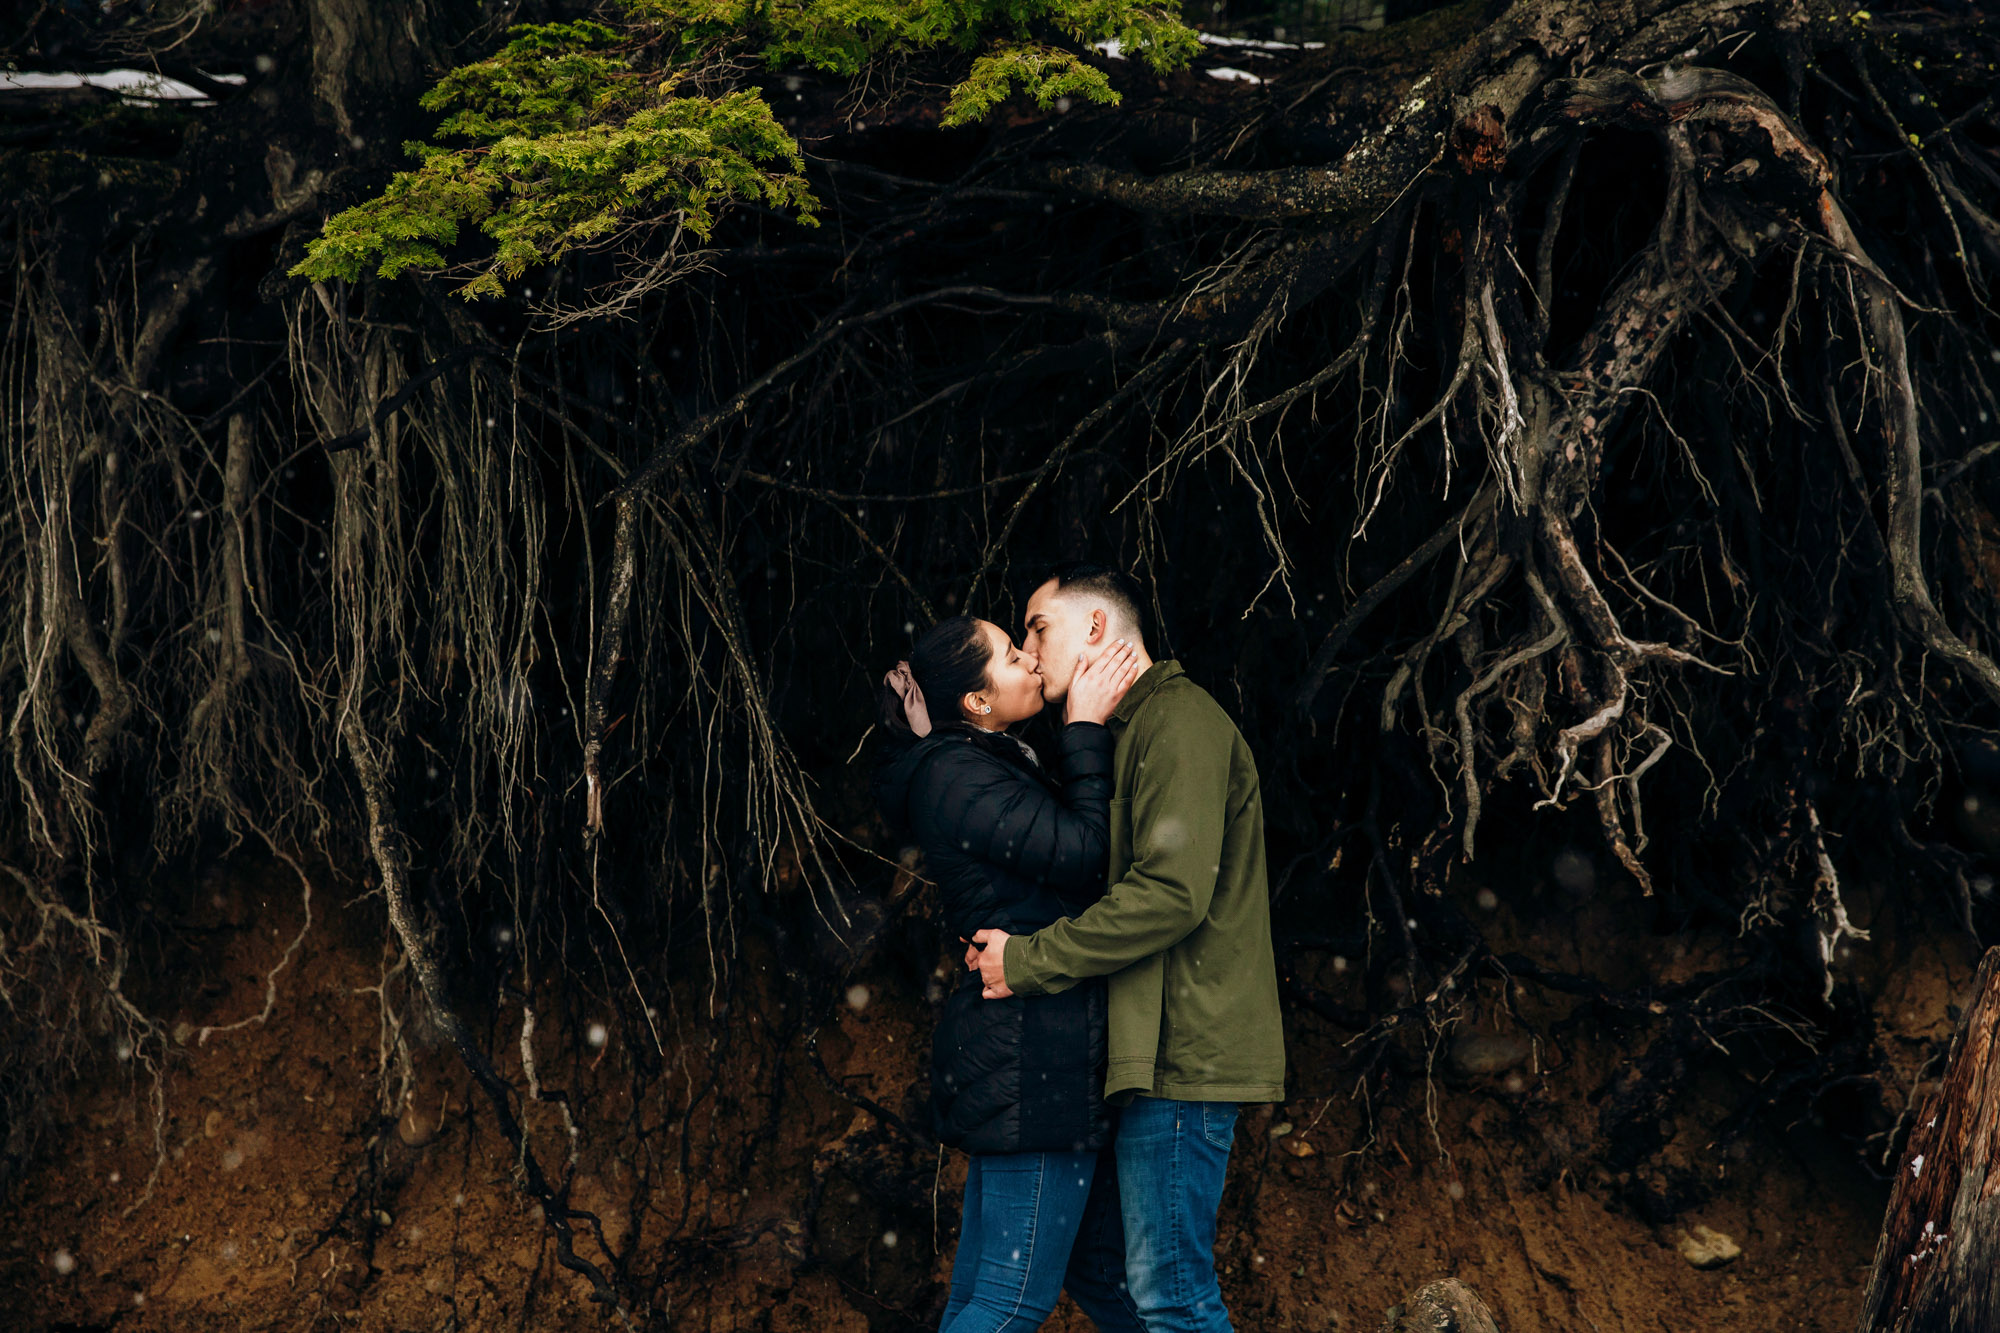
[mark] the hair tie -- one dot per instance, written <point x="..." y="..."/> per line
<point x="915" y="712"/>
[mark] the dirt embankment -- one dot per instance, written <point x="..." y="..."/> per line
<point x="289" y="1199"/>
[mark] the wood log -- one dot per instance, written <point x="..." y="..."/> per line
<point x="1937" y="1265"/>
<point x="1446" y="1306"/>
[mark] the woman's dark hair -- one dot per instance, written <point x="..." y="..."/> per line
<point x="949" y="660"/>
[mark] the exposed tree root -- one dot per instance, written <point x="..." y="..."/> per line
<point x="386" y="848"/>
<point x="1543" y="409"/>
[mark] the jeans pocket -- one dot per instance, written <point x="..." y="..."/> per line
<point x="1218" y="1124"/>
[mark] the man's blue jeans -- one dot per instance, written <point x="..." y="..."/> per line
<point x="1172" y="1157"/>
<point x="1035" y="1223"/>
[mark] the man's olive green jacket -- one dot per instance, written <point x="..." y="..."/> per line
<point x="1184" y="931"/>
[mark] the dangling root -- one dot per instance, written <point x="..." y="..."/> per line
<point x="385" y="843"/>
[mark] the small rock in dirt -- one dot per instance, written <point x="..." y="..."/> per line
<point x="416" y="1128"/>
<point x="1490" y="1052"/>
<point x="1705" y="1247"/>
<point x="1446" y="1306"/>
<point x="299" y="1199"/>
<point x="211" y="1124"/>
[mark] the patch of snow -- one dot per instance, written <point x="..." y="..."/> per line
<point x="1111" y="48"/>
<point x="138" y="83"/>
<point x="1257" y="44"/>
<point x="1229" y="75"/>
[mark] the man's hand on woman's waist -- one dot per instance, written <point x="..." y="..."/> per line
<point x="986" y="955"/>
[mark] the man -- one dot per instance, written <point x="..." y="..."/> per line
<point x="1183" y="934"/>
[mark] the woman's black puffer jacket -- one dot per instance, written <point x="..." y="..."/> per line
<point x="1007" y="848"/>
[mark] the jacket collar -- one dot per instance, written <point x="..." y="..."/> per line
<point x="1142" y="689"/>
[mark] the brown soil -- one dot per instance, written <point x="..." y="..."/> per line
<point x="288" y="1199"/>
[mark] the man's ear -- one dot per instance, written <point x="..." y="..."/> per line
<point x="1099" y="623"/>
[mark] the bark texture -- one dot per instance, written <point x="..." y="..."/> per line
<point x="1937" y="1267"/>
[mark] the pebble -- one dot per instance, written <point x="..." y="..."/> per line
<point x="1705" y="1247"/>
<point x="416" y="1128"/>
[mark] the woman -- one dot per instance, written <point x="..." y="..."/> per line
<point x="1017" y="1082"/>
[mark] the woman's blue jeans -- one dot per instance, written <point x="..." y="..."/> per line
<point x="1035" y="1223"/>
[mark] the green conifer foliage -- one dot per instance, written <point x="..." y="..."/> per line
<point x="564" y="141"/>
<point x="1044" y="73"/>
<point x="842" y="36"/>
<point x="564" y="136"/>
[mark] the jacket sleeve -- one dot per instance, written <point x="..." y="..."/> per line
<point x="1076" y="873"/>
<point x="1180" y="799"/>
<point x="996" y="813"/>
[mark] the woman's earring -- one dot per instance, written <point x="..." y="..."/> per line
<point x="986" y="708"/>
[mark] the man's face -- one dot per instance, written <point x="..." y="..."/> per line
<point x="1058" y="630"/>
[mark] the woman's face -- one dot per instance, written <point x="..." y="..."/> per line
<point x="1013" y="683"/>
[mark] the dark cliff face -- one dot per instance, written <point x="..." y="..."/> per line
<point x="1488" y="401"/>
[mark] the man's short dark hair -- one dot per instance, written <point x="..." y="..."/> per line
<point x="1111" y="585"/>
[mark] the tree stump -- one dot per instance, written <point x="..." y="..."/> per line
<point x="1937" y="1265"/>
<point x="1447" y="1306"/>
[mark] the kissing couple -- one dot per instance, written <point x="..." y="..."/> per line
<point x="1120" y="999"/>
